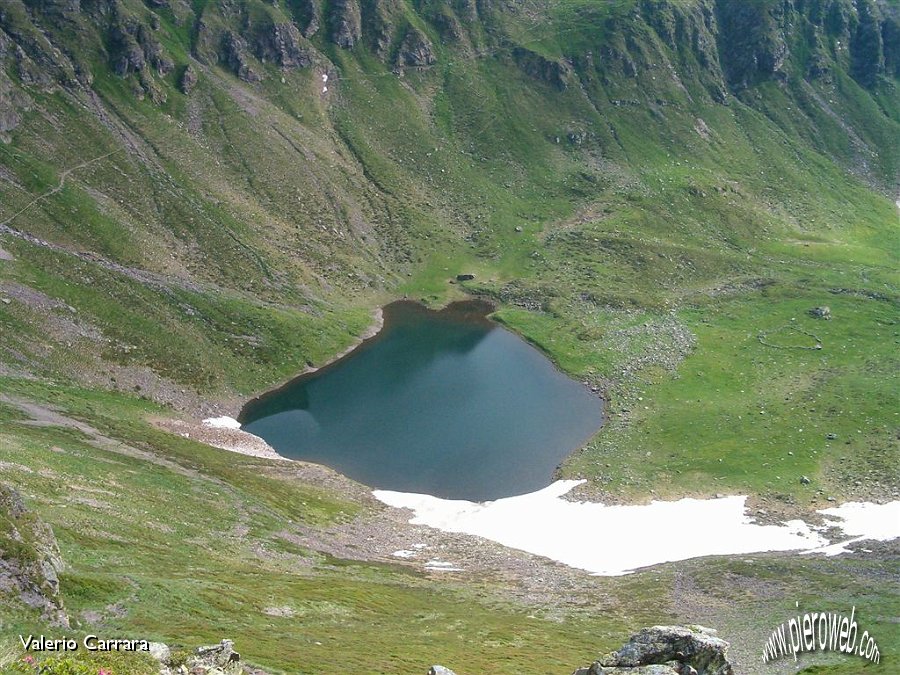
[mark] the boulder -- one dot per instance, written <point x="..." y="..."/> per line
<point x="666" y="650"/>
<point x="221" y="655"/>
<point x="440" y="670"/>
<point x="820" y="313"/>
<point x="465" y="277"/>
<point x="220" y="659"/>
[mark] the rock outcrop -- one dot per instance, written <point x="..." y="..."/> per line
<point x="415" y="50"/>
<point x="378" y="20"/>
<point x="281" y="43"/>
<point x="666" y="650"/>
<point x="29" y="558"/>
<point x="236" y="56"/>
<point x="12" y="102"/>
<point x="309" y="17"/>
<point x="135" y="50"/>
<point x="553" y="72"/>
<point x="346" y="23"/>
<point x="188" y="80"/>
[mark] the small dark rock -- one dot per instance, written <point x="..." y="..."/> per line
<point x="465" y="277"/>
<point x="820" y="312"/>
<point x="805" y="480"/>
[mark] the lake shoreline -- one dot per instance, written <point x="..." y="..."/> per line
<point x="368" y="334"/>
<point x="481" y="309"/>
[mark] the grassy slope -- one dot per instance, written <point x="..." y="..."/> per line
<point x="646" y="232"/>
<point x="189" y="550"/>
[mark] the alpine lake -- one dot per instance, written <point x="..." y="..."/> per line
<point x="446" y="403"/>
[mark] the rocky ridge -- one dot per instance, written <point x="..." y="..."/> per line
<point x="728" y="45"/>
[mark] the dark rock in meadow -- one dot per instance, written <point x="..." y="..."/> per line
<point x="380" y="25"/>
<point x="804" y="480"/>
<point x="10" y="115"/>
<point x="134" y="47"/>
<point x="465" y="277"/>
<point x="867" y="44"/>
<point x="820" y="312"/>
<point x="126" y="54"/>
<point x="755" y="41"/>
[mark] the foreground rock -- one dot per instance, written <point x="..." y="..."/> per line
<point x="29" y="558"/>
<point x="220" y="659"/>
<point x="666" y="650"/>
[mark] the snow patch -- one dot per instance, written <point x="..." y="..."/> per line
<point x="221" y="423"/>
<point x="614" y="540"/>
<point x="862" y="521"/>
<point x="441" y="566"/>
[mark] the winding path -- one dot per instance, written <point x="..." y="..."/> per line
<point x="60" y="186"/>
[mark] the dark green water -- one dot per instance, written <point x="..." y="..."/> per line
<point x="443" y="403"/>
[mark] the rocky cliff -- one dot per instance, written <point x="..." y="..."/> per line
<point x="729" y="45"/>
